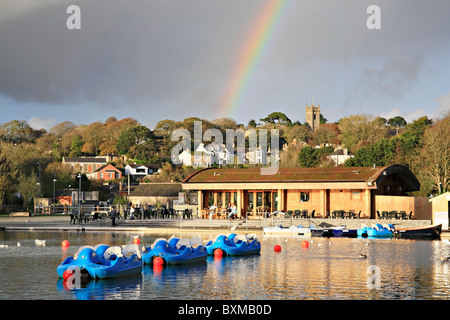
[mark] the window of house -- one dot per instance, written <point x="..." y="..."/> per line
<point x="304" y="196"/>
<point x="101" y="175"/>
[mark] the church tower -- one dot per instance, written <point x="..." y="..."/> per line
<point x="313" y="116"/>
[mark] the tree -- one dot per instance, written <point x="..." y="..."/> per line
<point x="381" y="153"/>
<point x="76" y="146"/>
<point x="225" y="123"/>
<point x="138" y="142"/>
<point x="313" y="157"/>
<point x="27" y="188"/>
<point x="360" y="130"/>
<point x="112" y="130"/>
<point x="170" y="173"/>
<point x="290" y="157"/>
<point x="252" y="124"/>
<point x="435" y="154"/>
<point x="397" y="122"/>
<point x="325" y="134"/>
<point x="17" y="132"/>
<point x="278" y="117"/>
<point x="297" y="132"/>
<point x="93" y="137"/>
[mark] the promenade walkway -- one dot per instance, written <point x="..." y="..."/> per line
<point x="62" y="223"/>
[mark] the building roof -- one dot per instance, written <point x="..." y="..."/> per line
<point x="168" y="189"/>
<point x="334" y="174"/>
<point x="442" y="197"/>
<point x="112" y="168"/>
<point x="149" y="166"/>
<point x="85" y="159"/>
<point x="368" y="175"/>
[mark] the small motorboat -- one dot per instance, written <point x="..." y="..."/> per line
<point x="381" y="231"/>
<point x="102" y="261"/>
<point x="432" y="232"/>
<point x="289" y="231"/>
<point x="234" y="245"/>
<point x="327" y="230"/>
<point x="176" y="251"/>
<point x="349" y="233"/>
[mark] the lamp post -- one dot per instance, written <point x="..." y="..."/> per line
<point x="79" y="194"/>
<point x="79" y="189"/>
<point x="54" y="198"/>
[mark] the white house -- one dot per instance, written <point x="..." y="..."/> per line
<point x="256" y="155"/>
<point x="139" y="171"/>
<point x="206" y="156"/>
<point x="339" y="156"/>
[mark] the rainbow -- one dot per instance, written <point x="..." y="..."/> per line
<point x="252" y="51"/>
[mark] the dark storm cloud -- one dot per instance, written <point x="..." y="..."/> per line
<point x="176" y="56"/>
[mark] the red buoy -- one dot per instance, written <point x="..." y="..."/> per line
<point x="67" y="274"/>
<point x="277" y="248"/>
<point x="305" y="244"/>
<point x="158" y="261"/>
<point x="218" y="253"/>
<point x="137" y="241"/>
<point x="65" y="244"/>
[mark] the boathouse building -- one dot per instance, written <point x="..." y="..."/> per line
<point x="320" y="191"/>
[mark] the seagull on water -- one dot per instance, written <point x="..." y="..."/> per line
<point x="39" y="242"/>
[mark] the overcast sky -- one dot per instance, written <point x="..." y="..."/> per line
<point x="172" y="59"/>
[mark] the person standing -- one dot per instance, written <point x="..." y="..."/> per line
<point x="113" y="215"/>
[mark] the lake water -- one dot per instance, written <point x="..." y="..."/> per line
<point x="327" y="269"/>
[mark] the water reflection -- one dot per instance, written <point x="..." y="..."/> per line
<point x="328" y="269"/>
<point x="90" y="289"/>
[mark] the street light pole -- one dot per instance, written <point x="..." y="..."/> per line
<point x="54" y="198"/>
<point x="79" y="194"/>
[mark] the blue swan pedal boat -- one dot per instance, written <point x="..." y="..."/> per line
<point x="377" y="231"/>
<point x="234" y="245"/>
<point x="176" y="251"/>
<point x="103" y="261"/>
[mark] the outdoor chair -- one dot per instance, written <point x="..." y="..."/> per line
<point x="305" y="214"/>
<point x="312" y="213"/>
<point x="351" y="214"/>
<point x="402" y="214"/>
<point x="290" y="213"/>
<point x="384" y="214"/>
<point x="393" y="214"/>
<point x="297" y="213"/>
